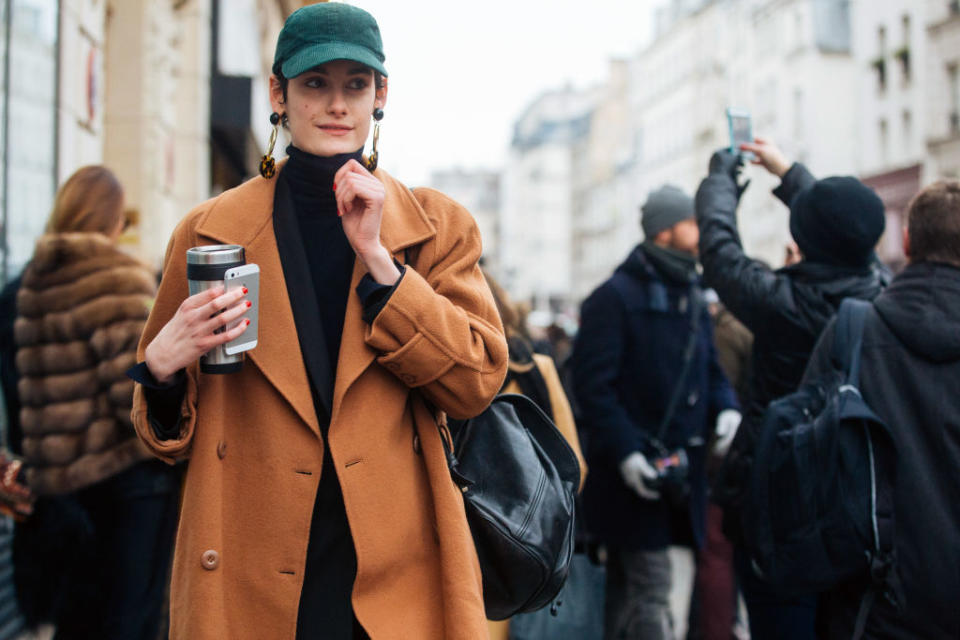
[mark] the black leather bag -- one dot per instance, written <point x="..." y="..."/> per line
<point x="519" y="479"/>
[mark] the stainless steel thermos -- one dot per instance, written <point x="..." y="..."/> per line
<point x="206" y="267"/>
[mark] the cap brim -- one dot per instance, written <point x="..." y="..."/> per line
<point x="316" y="54"/>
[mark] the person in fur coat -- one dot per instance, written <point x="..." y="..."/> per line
<point x="94" y="557"/>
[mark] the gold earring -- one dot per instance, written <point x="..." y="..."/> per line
<point x="374" y="157"/>
<point x="268" y="166"/>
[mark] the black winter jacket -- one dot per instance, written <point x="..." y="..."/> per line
<point x="785" y="309"/>
<point x="626" y="362"/>
<point x="911" y="379"/>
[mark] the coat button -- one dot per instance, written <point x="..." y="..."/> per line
<point x="692" y="398"/>
<point x="210" y="560"/>
<point x="222" y="450"/>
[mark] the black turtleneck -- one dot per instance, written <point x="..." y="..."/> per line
<point x="325" y="245"/>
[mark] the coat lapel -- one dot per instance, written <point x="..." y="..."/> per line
<point x="244" y="216"/>
<point x="302" y="293"/>
<point x="404" y="225"/>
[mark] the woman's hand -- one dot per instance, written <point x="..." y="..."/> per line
<point x="190" y="332"/>
<point x="768" y="155"/>
<point x="360" y="199"/>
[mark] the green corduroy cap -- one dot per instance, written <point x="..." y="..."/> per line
<point x="319" y="33"/>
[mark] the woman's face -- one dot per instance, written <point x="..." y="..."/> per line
<point x="329" y="107"/>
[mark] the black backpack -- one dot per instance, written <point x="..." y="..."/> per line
<point x="819" y="508"/>
<point x="519" y="479"/>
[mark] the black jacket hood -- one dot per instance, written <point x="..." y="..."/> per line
<point x="922" y="308"/>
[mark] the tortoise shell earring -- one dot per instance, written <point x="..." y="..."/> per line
<point x="268" y="166"/>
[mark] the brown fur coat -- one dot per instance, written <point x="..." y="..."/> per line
<point x="80" y="312"/>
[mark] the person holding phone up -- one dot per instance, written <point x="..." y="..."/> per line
<point x="318" y="502"/>
<point x="836" y="223"/>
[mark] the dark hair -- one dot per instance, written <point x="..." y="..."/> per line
<point x="933" y="222"/>
<point x="284" y="81"/>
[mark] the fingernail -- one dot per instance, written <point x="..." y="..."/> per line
<point x="249" y="304"/>
<point x="248" y="322"/>
<point x="339" y="213"/>
<point x="244" y="291"/>
<point x="334" y="186"/>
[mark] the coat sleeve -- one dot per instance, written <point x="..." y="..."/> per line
<point x="748" y="288"/>
<point x="560" y="407"/>
<point x="597" y="360"/>
<point x="440" y="331"/>
<point x="795" y="180"/>
<point x="172" y="292"/>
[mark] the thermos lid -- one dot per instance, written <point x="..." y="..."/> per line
<point x="216" y="254"/>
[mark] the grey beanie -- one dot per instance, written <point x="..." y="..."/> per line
<point x="664" y="208"/>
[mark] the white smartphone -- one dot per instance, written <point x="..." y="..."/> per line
<point x="248" y="276"/>
<point x="741" y="130"/>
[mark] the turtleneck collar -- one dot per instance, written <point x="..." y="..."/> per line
<point x="311" y="177"/>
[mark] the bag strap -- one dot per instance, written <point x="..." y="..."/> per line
<point x="848" y="337"/>
<point x="688" y="353"/>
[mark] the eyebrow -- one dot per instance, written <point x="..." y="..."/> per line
<point x="358" y="70"/>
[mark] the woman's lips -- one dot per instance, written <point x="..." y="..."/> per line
<point x="336" y="130"/>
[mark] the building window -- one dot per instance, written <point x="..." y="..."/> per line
<point x="29" y="128"/>
<point x="879" y="63"/>
<point x="903" y="53"/>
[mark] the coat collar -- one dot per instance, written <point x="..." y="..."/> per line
<point x="244" y="216"/>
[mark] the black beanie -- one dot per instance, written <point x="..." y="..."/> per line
<point x="837" y="221"/>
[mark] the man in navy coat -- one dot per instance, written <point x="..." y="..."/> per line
<point x="651" y="394"/>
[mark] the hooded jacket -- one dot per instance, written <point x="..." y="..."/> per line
<point x="80" y="311"/>
<point x="910" y="377"/>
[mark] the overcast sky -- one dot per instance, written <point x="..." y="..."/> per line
<point x="461" y="72"/>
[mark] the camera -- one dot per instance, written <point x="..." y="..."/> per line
<point x="673" y="473"/>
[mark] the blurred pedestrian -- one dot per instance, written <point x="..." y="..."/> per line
<point x="319" y="503"/>
<point x="836" y="223"/>
<point x="910" y="377"/>
<point x="716" y="583"/>
<point x="651" y="393"/>
<point x="94" y="557"/>
<point x="535" y="376"/>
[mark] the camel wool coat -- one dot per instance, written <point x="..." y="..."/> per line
<point x="255" y="448"/>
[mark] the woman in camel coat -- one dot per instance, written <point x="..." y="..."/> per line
<point x="318" y="502"/>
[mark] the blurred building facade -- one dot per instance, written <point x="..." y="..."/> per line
<point x="170" y="95"/>
<point x="536" y="221"/>
<point x="479" y="192"/>
<point x="942" y="109"/>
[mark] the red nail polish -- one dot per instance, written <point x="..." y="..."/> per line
<point x="248" y="322"/>
<point x="249" y="304"/>
<point x="334" y="186"/>
<point x="244" y="291"/>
